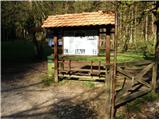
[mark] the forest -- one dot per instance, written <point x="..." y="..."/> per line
<point x="126" y="88"/>
<point x="137" y="21"/>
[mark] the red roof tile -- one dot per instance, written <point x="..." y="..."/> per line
<point x="80" y="19"/>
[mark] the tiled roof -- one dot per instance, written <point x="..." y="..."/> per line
<point x="80" y="19"/>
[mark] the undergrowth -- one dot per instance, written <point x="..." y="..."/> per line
<point x="136" y="105"/>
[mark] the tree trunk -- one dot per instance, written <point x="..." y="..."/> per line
<point x="38" y="48"/>
<point x="146" y="28"/>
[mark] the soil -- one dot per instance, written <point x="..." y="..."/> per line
<point x="24" y="95"/>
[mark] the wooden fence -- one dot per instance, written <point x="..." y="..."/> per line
<point x="133" y="79"/>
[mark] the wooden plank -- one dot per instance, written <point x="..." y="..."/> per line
<point x="135" y="63"/>
<point x="120" y="70"/>
<point x="123" y="100"/>
<point x="84" y="77"/>
<point x="139" y="76"/>
<point x="55" y="56"/>
<point x="81" y="70"/>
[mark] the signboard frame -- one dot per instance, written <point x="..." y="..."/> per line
<point x="74" y="34"/>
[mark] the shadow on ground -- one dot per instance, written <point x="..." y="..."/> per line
<point x="65" y="108"/>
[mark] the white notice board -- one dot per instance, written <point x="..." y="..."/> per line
<point x="81" y="42"/>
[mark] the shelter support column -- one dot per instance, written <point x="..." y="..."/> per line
<point x="108" y="45"/>
<point x="55" y="56"/>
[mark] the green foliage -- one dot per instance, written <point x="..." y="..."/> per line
<point x="150" y="97"/>
<point x="17" y="50"/>
<point x="21" y="50"/>
<point x="134" y="106"/>
<point x="89" y="84"/>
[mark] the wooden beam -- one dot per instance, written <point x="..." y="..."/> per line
<point x="55" y="56"/>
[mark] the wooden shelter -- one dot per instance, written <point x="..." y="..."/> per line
<point x="81" y="34"/>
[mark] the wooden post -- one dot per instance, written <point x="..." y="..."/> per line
<point x="154" y="77"/>
<point x="108" y="84"/>
<point x="99" y="69"/>
<point x="115" y="63"/>
<point x="55" y="56"/>
<point x="69" y="67"/>
<point x="91" y="68"/>
<point x="108" y="45"/>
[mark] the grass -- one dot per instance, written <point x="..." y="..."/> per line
<point x="88" y="84"/>
<point x="121" y="57"/>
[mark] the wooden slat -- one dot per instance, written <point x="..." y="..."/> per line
<point x="120" y="101"/>
<point x="82" y="70"/>
<point x="120" y="70"/>
<point x="139" y="76"/>
<point x="84" y="77"/>
<point x="135" y="63"/>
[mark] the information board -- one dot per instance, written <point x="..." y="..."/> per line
<point x="81" y="42"/>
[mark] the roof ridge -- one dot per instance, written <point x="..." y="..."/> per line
<point x="95" y="12"/>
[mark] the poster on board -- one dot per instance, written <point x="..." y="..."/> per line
<point x="81" y="42"/>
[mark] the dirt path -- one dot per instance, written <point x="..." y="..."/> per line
<point x="25" y="96"/>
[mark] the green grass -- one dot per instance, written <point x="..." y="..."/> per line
<point x="121" y="57"/>
<point x="128" y="57"/>
<point x="88" y="84"/>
